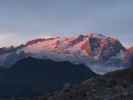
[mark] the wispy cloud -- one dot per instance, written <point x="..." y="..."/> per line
<point x="8" y="39"/>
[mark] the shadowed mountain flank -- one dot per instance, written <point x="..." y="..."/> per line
<point x="36" y="77"/>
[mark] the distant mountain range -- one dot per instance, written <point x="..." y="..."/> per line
<point x="100" y="53"/>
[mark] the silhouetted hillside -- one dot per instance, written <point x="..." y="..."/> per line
<point x="38" y="77"/>
<point x="117" y="85"/>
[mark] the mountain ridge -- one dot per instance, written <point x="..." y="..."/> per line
<point x="32" y="76"/>
<point x="82" y="49"/>
<point x="115" y="85"/>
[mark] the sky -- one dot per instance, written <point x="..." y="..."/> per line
<point x="22" y="20"/>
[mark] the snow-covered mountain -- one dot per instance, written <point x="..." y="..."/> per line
<point x="102" y="54"/>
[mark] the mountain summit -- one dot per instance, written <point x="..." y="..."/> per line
<point x="101" y="53"/>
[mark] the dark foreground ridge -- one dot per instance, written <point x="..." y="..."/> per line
<point x="116" y="85"/>
<point x="31" y="76"/>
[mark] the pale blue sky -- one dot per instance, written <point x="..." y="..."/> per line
<point x="22" y="20"/>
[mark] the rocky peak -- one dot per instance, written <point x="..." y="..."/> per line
<point x="93" y="45"/>
<point x="129" y="56"/>
<point x="103" y="47"/>
<point x="85" y="48"/>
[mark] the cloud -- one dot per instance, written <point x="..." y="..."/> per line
<point x="8" y="39"/>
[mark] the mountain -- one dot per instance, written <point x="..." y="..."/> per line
<point x="130" y="50"/>
<point x="32" y="76"/>
<point x="129" y="56"/>
<point x="93" y="46"/>
<point x="116" y="85"/>
<point x="100" y="53"/>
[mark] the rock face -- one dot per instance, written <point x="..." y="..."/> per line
<point x="91" y="49"/>
<point x="91" y="45"/>
<point x="130" y="50"/>
<point x="129" y="56"/>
